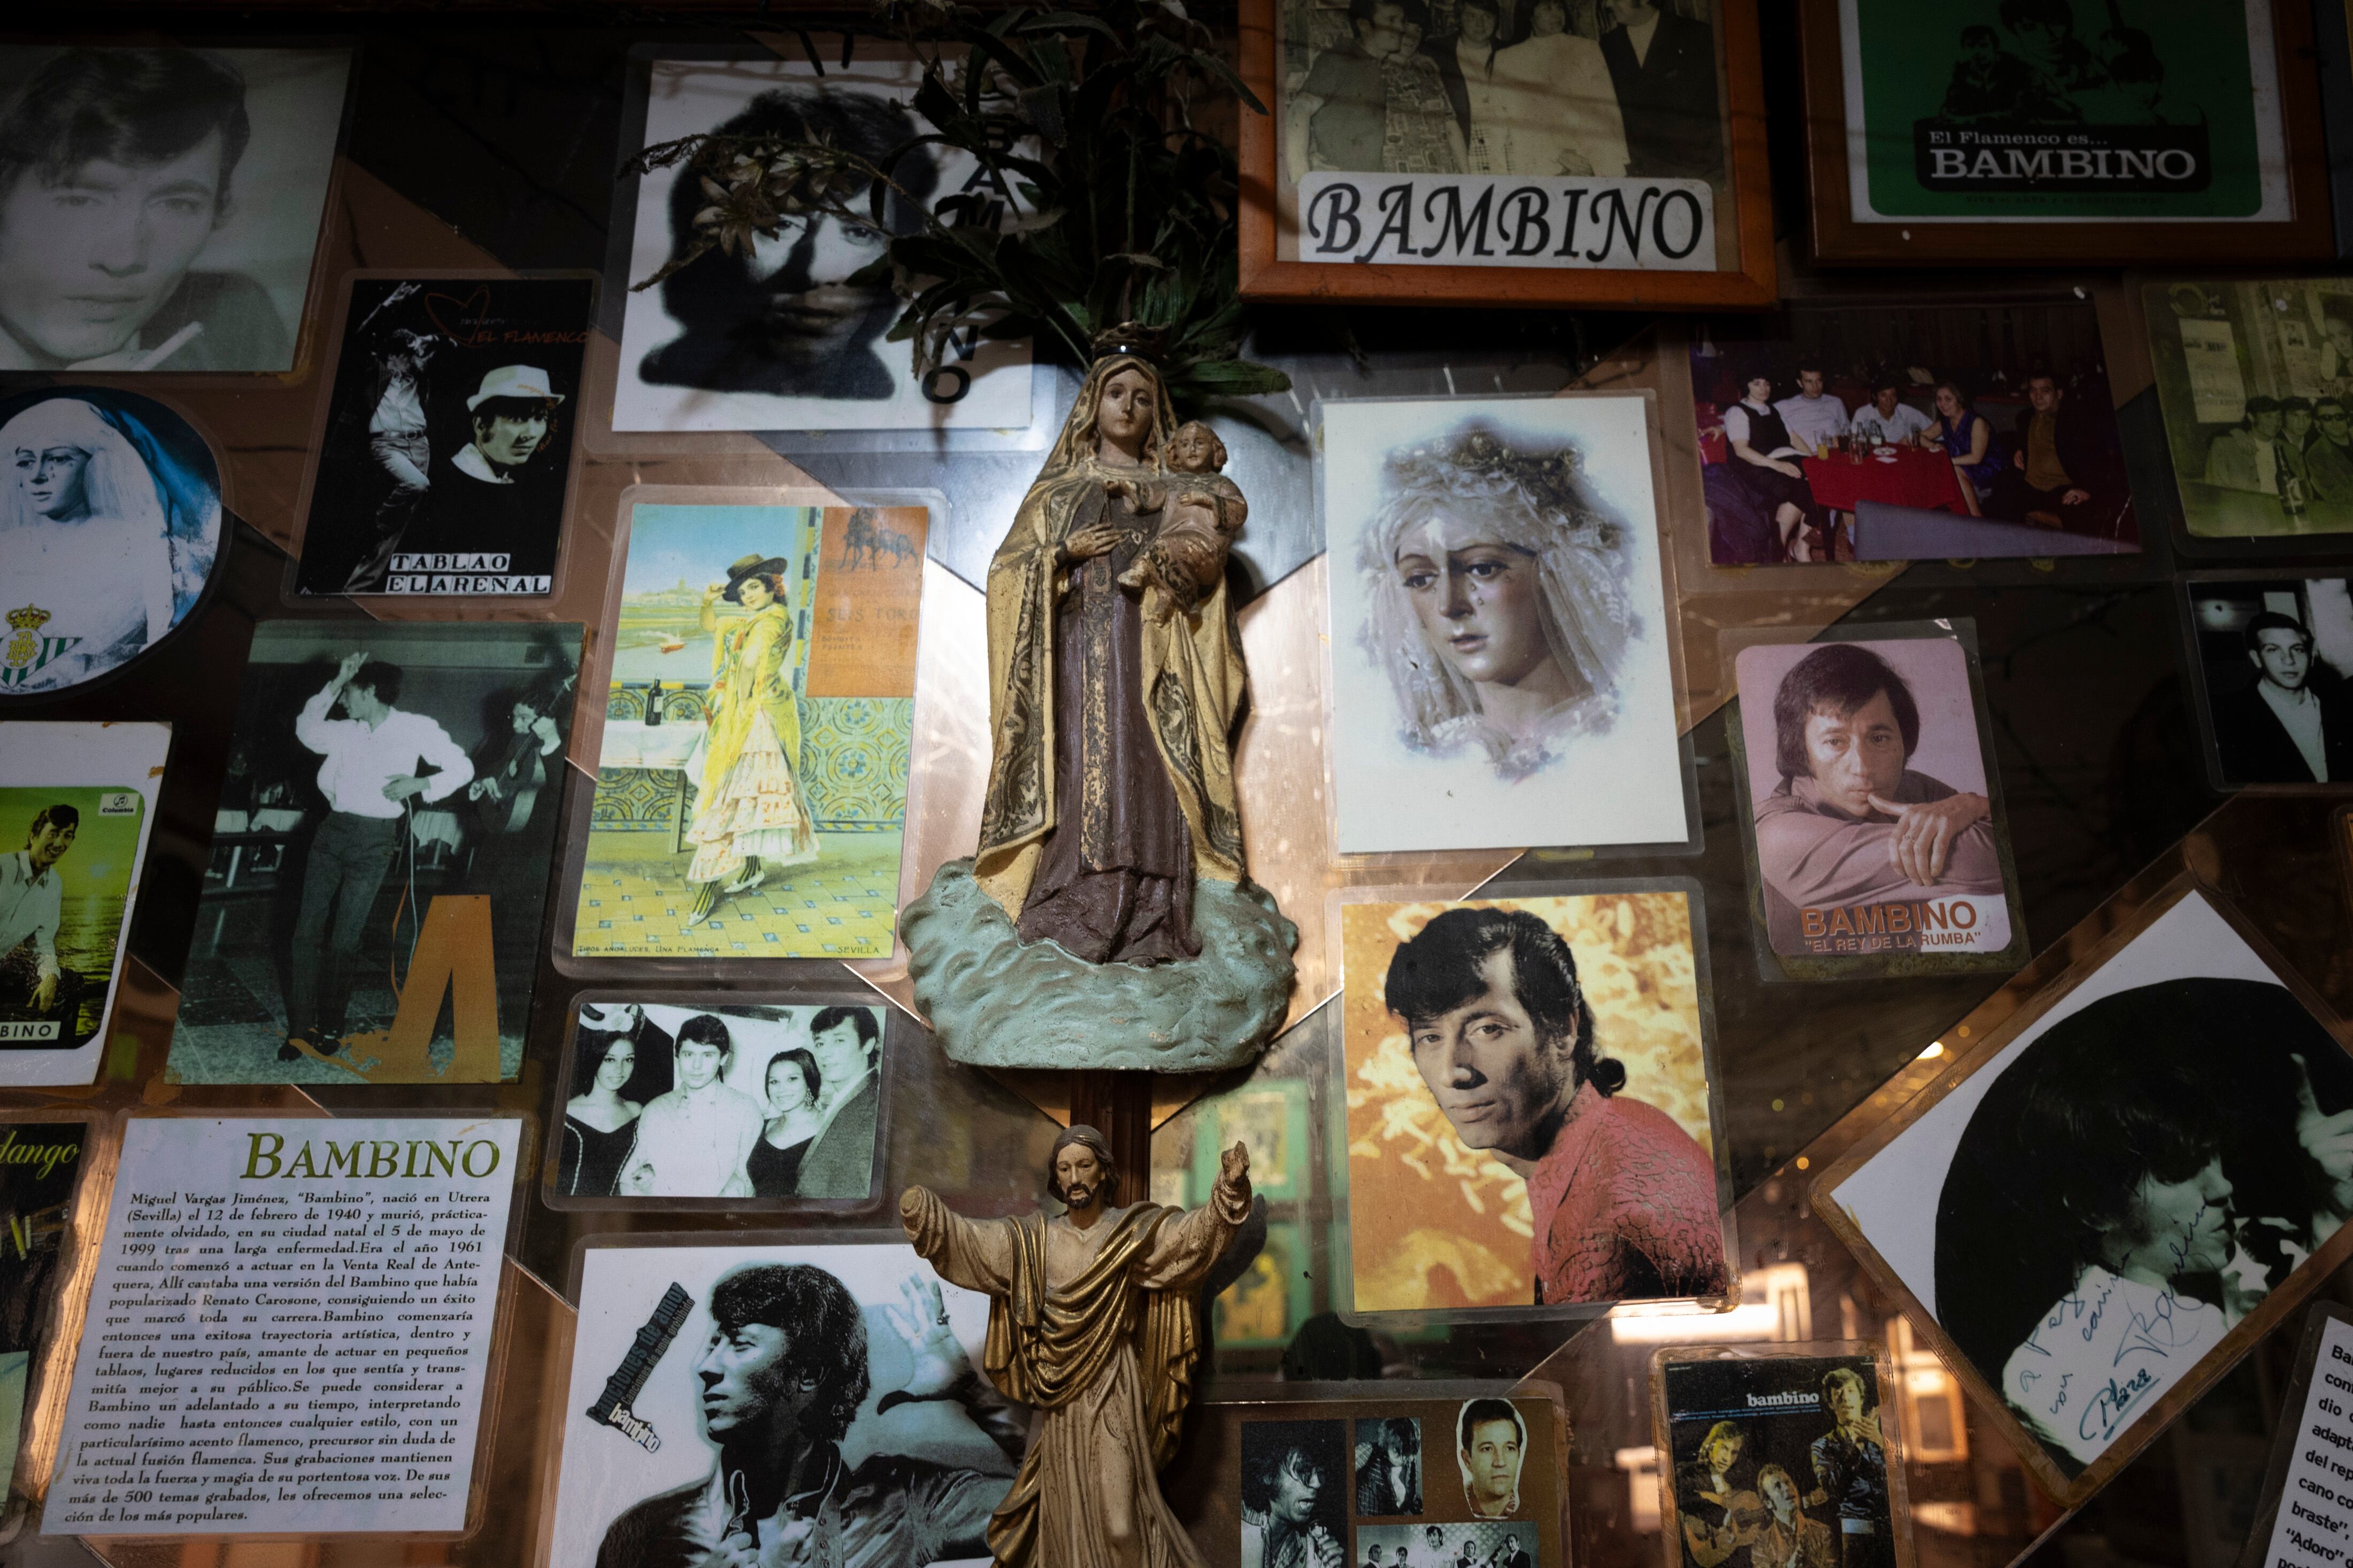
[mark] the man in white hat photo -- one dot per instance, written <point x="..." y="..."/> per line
<point x="493" y="516"/>
<point x="512" y="415"/>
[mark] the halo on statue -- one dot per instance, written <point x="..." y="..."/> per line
<point x="1107" y="920"/>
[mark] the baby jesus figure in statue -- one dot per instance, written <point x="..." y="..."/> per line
<point x="1200" y="511"/>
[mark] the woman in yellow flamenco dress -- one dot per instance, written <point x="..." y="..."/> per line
<point x="750" y="816"/>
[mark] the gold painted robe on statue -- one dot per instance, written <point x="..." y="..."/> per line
<point x="1095" y="1330"/>
<point x="1193" y="674"/>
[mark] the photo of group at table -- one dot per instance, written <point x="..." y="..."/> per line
<point x="1889" y="434"/>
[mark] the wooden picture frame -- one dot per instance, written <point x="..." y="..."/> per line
<point x="2094" y="949"/>
<point x="1840" y="238"/>
<point x="1750" y="284"/>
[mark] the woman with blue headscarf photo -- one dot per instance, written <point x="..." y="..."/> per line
<point x="107" y="535"/>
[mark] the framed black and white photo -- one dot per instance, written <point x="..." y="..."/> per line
<point x="2111" y="1195"/>
<point x="2274" y="662"/>
<point x="696" y="1369"/>
<point x="783" y="336"/>
<point x="160" y="207"/>
<point x="445" y="456"/>
<point x="1506" y="153"/>
<point x="110" y="531"/>
<point x="380" y="855"/>
<point x="1503" y="668"/>
<point x="730" y="1101"/>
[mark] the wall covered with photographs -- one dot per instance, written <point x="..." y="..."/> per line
<point x="1328" y="784"/>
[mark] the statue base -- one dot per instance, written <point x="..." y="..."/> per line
<point x="996" y="1001"/>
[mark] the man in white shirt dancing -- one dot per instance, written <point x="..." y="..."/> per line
<point x="369" y="777"/>
<point x="32" y="902"/>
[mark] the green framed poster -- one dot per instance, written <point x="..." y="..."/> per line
<point x="2076" y="110"/>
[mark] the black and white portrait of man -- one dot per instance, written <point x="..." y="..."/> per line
<point x="782" y="337"/>
<point x="449" y="440"/>
<point x="817" y="1404"/>
<point x="159" y="206"/>
<point x="2096" y="1208"/>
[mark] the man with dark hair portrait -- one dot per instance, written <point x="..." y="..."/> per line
<point x="370" y="776"/>
<point x="694" y="1140"/>
<point x="2066" y="470"/>
<point x="2250" y="457"/>
<point x="786" y="318"/>
<point x="1623" y="1199"/>
<point x="1389" y="1473"/>
<point x="1491" y="1441"/>
<point x="1851" y="824"/>
<point x="32" y="903"/>
<point x="848" y="1045"/>
<point x="1291" y="1473"/>
<point x="116" y="167"/>
<point x="2165" y="1156"/>
<point x="1662" y="65"/>
<point x="783" y="1379"/>
<point x="2282" y="729"/>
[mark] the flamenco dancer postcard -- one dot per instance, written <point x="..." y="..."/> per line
<point x="752" y="779"/>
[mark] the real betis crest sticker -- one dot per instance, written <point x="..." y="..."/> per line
<point x="28" y="649"/>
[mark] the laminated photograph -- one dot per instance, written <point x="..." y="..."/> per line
<point x="2275" y="677"/>
<point x="2110" y="1195"/>
<point x="1785" y="1455"/>
<point x="77" y="810"/>
<point x="380" y="855"/>
<point x="735" y="1100"/>
<point x="2062" y="110"/>
<point x="300" y="1316"/>
<point x="160" y="207"/>
<point x="1501" y="673"/>
<point x="752" y="784"/>
<point x="785" y="334"/>
<point x="1398" y="1483"/>
<point x="40" y="1166"/>
<point x="1876" y="843"/>
<point x="764" y="1402"/>
<point x="1878" y="433"/>
<point x="109" y="531"/>
<point x="1530" y="1119"/>
<point x="2255" y="382"/>
<point x="446" y="452"/>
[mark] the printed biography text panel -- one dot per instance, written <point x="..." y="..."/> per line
<point x="289" y="1328"/>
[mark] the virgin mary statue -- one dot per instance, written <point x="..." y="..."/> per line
<point x="1111" y="781"/>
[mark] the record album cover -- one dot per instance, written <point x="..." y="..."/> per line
<point x="77" y="808"/>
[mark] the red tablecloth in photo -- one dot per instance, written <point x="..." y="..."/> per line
<point x="1915" y="479"/>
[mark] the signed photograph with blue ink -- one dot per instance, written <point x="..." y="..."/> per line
<point x="2142" y="1167"/>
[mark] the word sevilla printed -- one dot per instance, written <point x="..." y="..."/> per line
<point x="1503" y="220"/>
